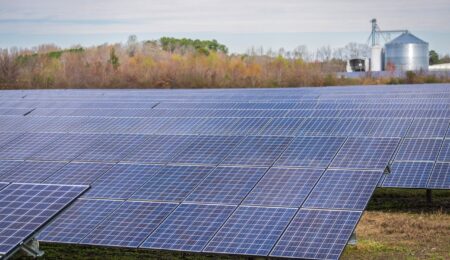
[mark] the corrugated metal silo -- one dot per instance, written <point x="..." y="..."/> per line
<point x="406" y="52"/>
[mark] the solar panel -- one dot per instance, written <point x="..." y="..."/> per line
<point x="181" y="125"/>
<point x="7" y="166"/>
<point x="283" y="187"/>
<point x="66" y="148"/>
<point x="317" y="234"/>
<point x="172" y="183"/>
<point x="207" y="150"/>
<point x="159" y="149"/>
<point x="318" y="127"/>
<point x="8" y="137"/>
<point x="418" y="150"/>
<point x="440" y="178"/>
<point x="26" y="145"/>
<point x="78" y="220"/>
<point x="354" y="127"/>
<point x="25" y="208"/>
<point x="257" y="151"/>
<point x="444" y="154"/>
<point x="251" y="231"/>
<point x="282" y="127"/>
<point x="129" y="224"/>
<point x="3" y="185"/>
<point x="343" y="189"/>
<point x="112" y="148"/>
<point x="32" y="172"/>
<point x="390" y="127"/>
<point x="427" y="128"/>
<point x="189" y="227"/>
<point x="408" y="175"/>
<point x="121" y="181"/>
<point x="365" y="153"/>
<point x="310" y="152"/>
<point x="226" y="185"/>
<point x="79" y="173"/>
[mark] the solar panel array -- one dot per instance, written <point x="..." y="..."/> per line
<point x="25" y="208"/>
<point x="267" y="172"/>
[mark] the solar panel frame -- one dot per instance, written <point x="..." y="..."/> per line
<point x="77" y="221"/>
<point x="365" y="153"/>
<point x="32" y="171"/>
<point x="257" y="151"/>
<point x="208" y="150"/>
<point x="172" y="183"/>
<point x="189" y="227"/>
<point x="418" y="150"/>
<point x="440" y="177"/>
<point x="408" y="175"/>
<point x="251" y="231"/>
<point x="26" y="208"/>
<point x="283" y="187"/>
<point x="317" y="234"/>
<point x="308" y="151"/>
<point x="226" y="185"/>
<point x="121" y="181"/>
<point x="83" y="173"/>
<point x="130" y="224"/>
<point x="343" y="190"/>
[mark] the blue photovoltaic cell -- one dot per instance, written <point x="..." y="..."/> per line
<point x="343" y="189"/>
<point x="251" y="231"/>
<point x="354" y="127"/>
<point x="3" y="185"/>
<point x="130" y="224"/>
<point x="227" y="185"/>
<point x="444" y="154"/>
<point x="66" y="148"/>
<point x="172" y="183"/>
<point x="159" y="148"/>
<point x="317" y="234"/>
<point x="112" y="148"/>
<point x="26" y="145"/>
<point x="79" y="173"/>
<point x="318" y="127"/>
<point x="214" y="126"/>
<point x="207" y="150"/>
<point x="78" y="220"/>
<point x="189" y="227"/>
<point x="32" y="172"/>
<point x="248" y="126"/>
<point x="390" y="127"/>
<point x="365" y="153"/>
<point x="440" y="178"/>
<point x="181" y="126"/>
<point x="418" y="150"/>
<point x="8" y="137"/>
<point x="7" y="166"/>
<point x="427" y="128"/>
<point x="283" y="187"/>
<point x="282" y="127"/>
<point x="310" y="152"/>
<point x="257" y="151"/>
<point x="121" y="181"/>
<point x="408" y="175"/>
<point x="24" y="208"/>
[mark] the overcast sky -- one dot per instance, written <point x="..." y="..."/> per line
<point x="240" y="24"/>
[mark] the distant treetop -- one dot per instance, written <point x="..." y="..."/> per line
<point x="202" y="46"/>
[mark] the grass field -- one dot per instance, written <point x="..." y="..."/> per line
<point x="398" y="224"/>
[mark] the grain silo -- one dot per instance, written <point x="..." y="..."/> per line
<point x="406" y="52"/>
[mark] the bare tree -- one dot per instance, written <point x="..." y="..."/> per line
<point x="9" y="67"/>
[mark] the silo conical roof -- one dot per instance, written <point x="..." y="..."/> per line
<point x="407" y="38"/>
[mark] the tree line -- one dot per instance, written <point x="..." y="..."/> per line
<point x="177" y="63"/>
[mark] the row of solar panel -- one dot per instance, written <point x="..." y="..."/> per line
<point x="242" y="230"/>
<point x="24" y="208"/>
<point x="356" y="152"/>
<point x="222" y="103"/>
<point x="274" y="113"/>
<point x="417" y="128"/>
